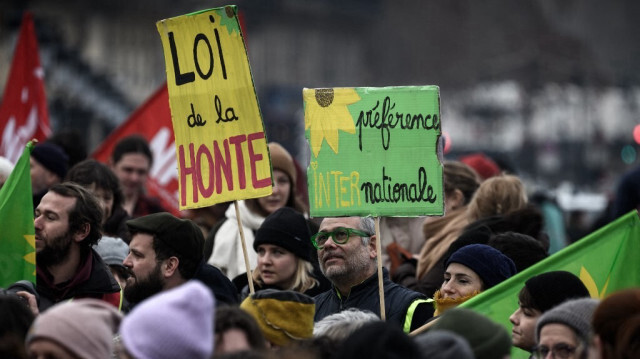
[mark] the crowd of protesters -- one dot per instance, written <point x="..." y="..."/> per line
<point x="117" y="276"/>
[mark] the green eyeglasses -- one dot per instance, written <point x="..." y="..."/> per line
<point x="339" y="235"/>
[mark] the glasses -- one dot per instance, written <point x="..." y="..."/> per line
<point x="561" y="350"/>
<point x="339" y="235"/>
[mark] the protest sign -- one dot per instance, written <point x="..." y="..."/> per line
<point x="221" y="148"/>
<point x="374" y="151"/>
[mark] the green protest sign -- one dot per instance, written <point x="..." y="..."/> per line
<point x="374" y="151"/>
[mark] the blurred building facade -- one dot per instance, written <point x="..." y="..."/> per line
<point x="549" y="86"/>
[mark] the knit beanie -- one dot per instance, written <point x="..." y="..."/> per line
<point x="177" y="323"/>
<point x="52" y="157"/>
<point x="286" y="228"/>
<point x="487" y="339"/>
<point x="482" y="164"/>
<point x="283" y="315"/>
<point x="443" y="344"/>
<point x="487" y="262"/>
<point x="181" y="235"/>
<point x="112" y="250"/>
<point x="85" y="327"/>
<point x="282" y="160"/>
<point x="576" y="314"/>
<point x="552" y="288"/>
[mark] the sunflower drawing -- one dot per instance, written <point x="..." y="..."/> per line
<point x="326" y="113"/>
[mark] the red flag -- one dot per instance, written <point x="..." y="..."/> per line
<point x="152" y="121"/>
<point x="23" y="113"/>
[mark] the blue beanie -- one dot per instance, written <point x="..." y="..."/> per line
<point x="52" y="157"/>
<point x="487" y="262"/>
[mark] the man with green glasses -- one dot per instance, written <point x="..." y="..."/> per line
<point x="347" y="256"/>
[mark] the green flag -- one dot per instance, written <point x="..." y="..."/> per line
<point x="17" y="234"/>
<point x="606" y="261"/>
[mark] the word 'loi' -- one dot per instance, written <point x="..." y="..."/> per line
<point x="221" y="148"/>
<point x="375" y="151"/>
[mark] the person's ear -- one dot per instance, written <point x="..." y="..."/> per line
<point x="82" y="233"/>
<point x="456" y="199"/>
<point x="170" y="266"/>
<point x="373" y="253"/>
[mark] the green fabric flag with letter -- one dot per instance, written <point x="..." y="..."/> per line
<point x="17" y="234"/>
<point x="607" y="260"/>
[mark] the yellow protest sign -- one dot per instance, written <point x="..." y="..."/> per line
<point x="221" y="148"/>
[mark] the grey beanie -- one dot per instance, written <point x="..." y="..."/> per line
<point x="112" y="250"/>
<point x="575" y="313"/>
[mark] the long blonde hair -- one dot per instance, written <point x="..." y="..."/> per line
<point x="303" y="280"/>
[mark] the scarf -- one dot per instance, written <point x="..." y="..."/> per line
<point x="443" y="304"/>
<point x="227" y="250"/>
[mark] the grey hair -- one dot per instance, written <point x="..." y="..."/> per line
<point x="368" y="226"/>
<point x="338" y="326"/>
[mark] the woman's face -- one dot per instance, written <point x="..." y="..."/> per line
<point x="460" y="281"/>
<point x="277" y="265"/>
<point x="280" y="195"/>
<point x="105" y="197"/>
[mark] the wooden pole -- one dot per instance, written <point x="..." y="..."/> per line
<point x="424" y="327"/>
<point x="380" y="281"/>
<point x="244" y="249"/>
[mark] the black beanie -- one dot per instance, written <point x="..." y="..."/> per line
<point x="552" y="288"/>
<point x="288" y="229"/>
<point x="487" y="262"/>
<point x="52" y="157"/>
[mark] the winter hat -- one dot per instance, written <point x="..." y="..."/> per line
<point x="483" y="165"/>
<point x="85" y="327"/>
<point x="575" y="313"/>
<point x="286" y="228"/>
<point x="487" y="262"/>
<point x="282" y="160"/>
<point x="52" y="157"/>
<point x="487" y="339"/>
<point x="173" y="324"/>
<point x="112" y="250"/>
<point x="378" y="340"/>
<point x="443" y="344"/>
<point x="283" y="315"/>
<point x="181" y="235"/>
<point x="552" y="288"/>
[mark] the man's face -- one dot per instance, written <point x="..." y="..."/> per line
<point x="561" y="340"/>
<point x="132" y="171"/>
<point x="41" y="178"/>
<point x="146" y="277"/>
<point x="53" y="240"/>
<point x="524" y="327"/>
<point x="105" y="198"/>
<point x="345" y="262"/>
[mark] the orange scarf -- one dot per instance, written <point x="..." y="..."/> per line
<point x="443" y="304"/>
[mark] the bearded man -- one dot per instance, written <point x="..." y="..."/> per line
<point x="347" y="256"/>
<point x="164" y="253"/>
<point x="67" y="224"/>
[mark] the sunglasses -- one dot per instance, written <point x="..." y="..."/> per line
<point x="339" y="235"/>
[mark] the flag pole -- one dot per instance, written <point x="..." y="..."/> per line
<point x="380" y="281"/>
<point x="244" y="248"/>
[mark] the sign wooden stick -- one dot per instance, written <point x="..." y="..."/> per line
<point x="380" y="281"/>
<point x="244" y="248"/>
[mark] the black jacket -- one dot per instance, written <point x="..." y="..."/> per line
<point x="364" y="296"/>
<point x="99" y="283"/>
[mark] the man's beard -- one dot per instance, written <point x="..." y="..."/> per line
<point x="55" y="251"/>
<point x="144" y="288"/>
<point x="354" y="265"/>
